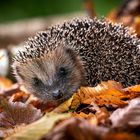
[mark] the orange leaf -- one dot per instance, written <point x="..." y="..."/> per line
<point x="20" y="96"/>
<point x="83" y="115"/>
<point x="120" y="136"/>
<point x="106" y="93"/>
<point x="5" y="83"/>
<point x="135" y="89"/>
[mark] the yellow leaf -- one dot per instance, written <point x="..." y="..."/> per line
<point x="36" y="130"/>
<point x="64" y="106"/>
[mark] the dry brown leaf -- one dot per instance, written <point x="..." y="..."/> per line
<point x="102" y="115"/>
<point x="76" y="129"/>
<point x="10" y="91"/>
<point x="84" y="115"/>
<point x="135" y="89"/>
<point x="17" y="113"/>
<point x="93" y="113"/>
<point x="19" y="97"/>
<point x="128" y="117"/>
<point x="120" y="136"/>
<point x="106" y="93"/>
<point x="43" y="106"/>
<point x="106" y="100"/>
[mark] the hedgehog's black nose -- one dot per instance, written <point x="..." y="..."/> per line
<point x="57" y="94"/>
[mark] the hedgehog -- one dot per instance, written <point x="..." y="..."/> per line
<point x="79" y="52"/>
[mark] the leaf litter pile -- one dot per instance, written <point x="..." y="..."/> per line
<point x="105" y="112"/>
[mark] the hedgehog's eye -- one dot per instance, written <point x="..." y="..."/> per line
<point x="37" y="81"/>
<point x="62" y="71"/>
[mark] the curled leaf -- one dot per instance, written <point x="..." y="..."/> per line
<point x="20" y="97"/>
<point x="17" y="113"/>
<point x="64" y="106"/>
<point x="128" y="116"/>
<point x="104" y="94"/>
<point x="133" y="89"/>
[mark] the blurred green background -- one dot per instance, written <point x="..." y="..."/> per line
<point x="20" y="9"/>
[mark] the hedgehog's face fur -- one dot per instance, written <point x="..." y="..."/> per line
<point x="53" y="77"/>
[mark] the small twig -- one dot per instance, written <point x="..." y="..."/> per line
<point x="89" y="6"/>
<point x="8" y="92"/>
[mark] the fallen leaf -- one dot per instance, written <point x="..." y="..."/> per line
<point x="38" y="129"/>
<point x="120" y="136"/>
<point x="135" y="89"/>
<point x="104" y="94"/>
<point x="17" y="113"/>
<point x="10" y="91"/>
<point x="128" y="117"/>
<point x="20" y="97"/>
<point x="84" y="115"/>
<point x="102" y="115"/>
<point x="93" y="113"/>
<point x="43" y="106"/>
<point x="76" y="129"/>
<point x="64" y="106"/>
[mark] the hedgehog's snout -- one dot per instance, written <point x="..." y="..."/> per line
<point x="57" y="94"/>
